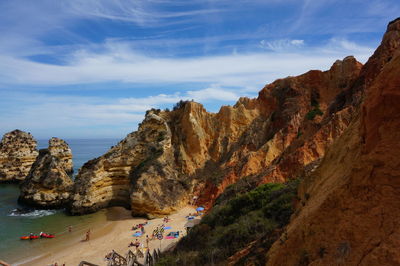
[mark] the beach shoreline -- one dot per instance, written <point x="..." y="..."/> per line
<point x="115" y="233"/>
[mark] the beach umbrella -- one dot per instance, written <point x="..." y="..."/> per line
<point x="199" y="209"/>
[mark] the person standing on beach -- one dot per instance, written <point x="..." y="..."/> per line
<point x="70" y="228"/>
<point x="88" y="235"/>
<point x="147" y="241"/>
<point x="194" y="200"/>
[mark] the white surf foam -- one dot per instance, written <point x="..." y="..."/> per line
<point x="32" y="213"/>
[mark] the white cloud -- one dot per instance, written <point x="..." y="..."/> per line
<point x="142" y="13"/>
<point x="297" y="42"/>
<point x="118" y="62"/>
<point x="337" y="45"/>
<point x="65" y="114"/>
<point x="281" y="45"/>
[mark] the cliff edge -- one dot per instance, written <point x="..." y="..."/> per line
<point x="350" y="201"/>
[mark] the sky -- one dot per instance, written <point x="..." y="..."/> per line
<point x="91" y="68"/>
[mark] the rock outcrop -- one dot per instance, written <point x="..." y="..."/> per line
<point x="48" y="184"/>
<point x="17" y="154"/>
<point x="175" y="154"/>
<point x="60" y="149"/>
<point x="349" y="212"/>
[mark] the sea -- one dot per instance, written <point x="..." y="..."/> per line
<point x="14" y="224"/>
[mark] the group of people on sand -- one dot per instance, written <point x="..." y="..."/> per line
<point x="140" y="226"/>
<point x="136" y="244"/>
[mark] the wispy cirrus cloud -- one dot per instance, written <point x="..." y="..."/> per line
<point x="119" y="63"/>
<point x="142" y="13"/>
<point x="281" y="45"/>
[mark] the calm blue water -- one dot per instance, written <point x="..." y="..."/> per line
<point x="13" y="225"/>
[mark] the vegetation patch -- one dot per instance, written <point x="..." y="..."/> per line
<point x="313" y="113"/>
<point x="233" y="223"/>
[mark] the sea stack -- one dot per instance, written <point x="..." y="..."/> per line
<point x="60" y="149"/>
<point x="17" y="154"/>
<point x="48" y="184"/>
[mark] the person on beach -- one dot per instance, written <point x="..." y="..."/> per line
<point x="194" y="200"/>
<point x="142" y="229"/>
<point x="70" y="228"/>
<point x="137" y="243"/>
<point x="147" y="241"/>
<point x="108" y="256"/>
<point x="87" y="235"/>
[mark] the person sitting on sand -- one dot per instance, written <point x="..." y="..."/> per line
<point x="131" y="245"/>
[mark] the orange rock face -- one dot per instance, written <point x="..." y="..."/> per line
<point x="189" y="151"/>
<point x="349" y="214"/>
<point x="284" y="138"/>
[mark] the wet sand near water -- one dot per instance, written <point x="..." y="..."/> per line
<point x="113" y="234"/>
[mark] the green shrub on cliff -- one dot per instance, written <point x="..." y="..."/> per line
<point x="234" y="223"/>
<point x="313" y="113"/>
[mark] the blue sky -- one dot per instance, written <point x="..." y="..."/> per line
<point x="90" y="69"/>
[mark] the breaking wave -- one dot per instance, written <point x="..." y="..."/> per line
<point x="32" y="213"/>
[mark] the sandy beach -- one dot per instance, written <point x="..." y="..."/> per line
<point x="114" y="234"/>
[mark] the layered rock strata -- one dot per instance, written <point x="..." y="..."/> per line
<point x="350" y="214"/>
<point x="175" y="154"/>
<point x="17" y="154"/>
<point x="60" y="149"/>
<point x="48" y="184"/>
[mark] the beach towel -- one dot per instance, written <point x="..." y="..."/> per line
<point x="173" y="234"/>
<point x="137" y="234"/>
<point x="167" y="227"/>
<point x="190" y="218"/>
<point x="169" y="237"/>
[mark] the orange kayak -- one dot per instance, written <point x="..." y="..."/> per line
<point x="28" y="237"/>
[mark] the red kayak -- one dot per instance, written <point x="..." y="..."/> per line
<point x="29" y="237"/>
<point x="44" y="235"/>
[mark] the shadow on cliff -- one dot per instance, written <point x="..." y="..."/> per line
<point x="118" y="213"/>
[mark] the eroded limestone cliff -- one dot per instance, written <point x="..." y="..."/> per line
<point x="175" y="154"/>
<point x="349" y="212"/>
<point x="17" y="154"/>
<point x="48" y="184"/>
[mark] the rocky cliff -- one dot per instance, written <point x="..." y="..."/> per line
<point x="175" y="154"/>
<point x="48" y="184"/>
<point x="17" y="154"/>
<point x="348" y="214"/>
